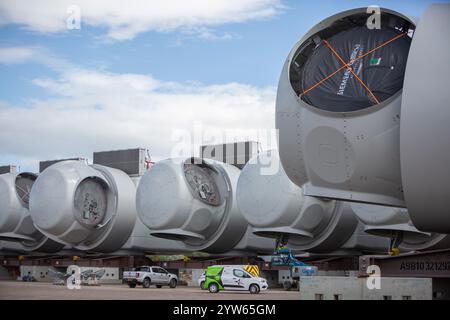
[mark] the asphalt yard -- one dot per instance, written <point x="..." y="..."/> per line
<point x="14" y="290"/>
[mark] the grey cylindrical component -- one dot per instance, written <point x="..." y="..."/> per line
<point x="362" y="242"/>
<point x="274" y="206"/>
<point x="12" y="248"/>
<point x="89" y="207"/>
<point x="15" y="221"/>
<point x="350" y="155"/>
<point x="37" y="249"/>
<point x="395" y="222"/>
<point x="338" y="230"/>
<point x="140" y="241"/>
<point x="425" y="123"/>
<point x="435" y="241"/>
<point x="252" y="244"/>
<point x="387" y="221"/>
<point x="192" y="201"/>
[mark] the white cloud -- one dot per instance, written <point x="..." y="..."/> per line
<point x="15" y="55"/>
<point x="89" y="110"/>
<point x="24" y="54"/>
<point x="123" y="20"/>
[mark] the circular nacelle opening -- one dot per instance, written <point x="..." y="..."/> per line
<point x="23" y="183"/>
<point x="344" y="66"/>
<point x="211" y="187"/>
<point x="90" y="201"/>
<point x="202" y="182"/>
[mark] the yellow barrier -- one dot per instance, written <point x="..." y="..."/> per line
<point x="252" y="269"/>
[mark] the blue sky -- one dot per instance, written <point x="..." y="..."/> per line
<point x="226" y="59"/>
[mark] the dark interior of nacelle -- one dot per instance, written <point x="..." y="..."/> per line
<point x="348" y="66"/>
<point x="24" y="182"/>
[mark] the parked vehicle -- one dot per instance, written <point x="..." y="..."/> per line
<point x="147" y="276"/>
<point x="252" y="269"/>
<point x="201" y="280"/>
<point x="220" y="278"/>
<point x="285" y="257"/>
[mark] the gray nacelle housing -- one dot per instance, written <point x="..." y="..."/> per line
<point x="141" y="241"/>
<point x="16" y="224"/>
<point x="171" y="208"/>
<point x="251" y="244"/>
<point x="13" y="248"/>
<point x="376" y="154"/>
<point x="389" y="221"/>
<point x="89" y="207"/>
<point x="360" y="242"/>
<point x="385" y="221"/>
<point x="50" y="247"/>
<point x="424" y="123"/>
<point x="434" y="241"/>
<point x="15" y="220"/>
<point x="344" y="155"/>
<point x="274" y="206"/>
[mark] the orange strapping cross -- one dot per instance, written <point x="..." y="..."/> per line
<point x="351" y="70"/>
<point x="346" y="65"/>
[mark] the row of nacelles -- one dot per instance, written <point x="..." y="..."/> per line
<point x="97" y="209"/>
<point x="92" y="209"/>
<point x="276" y="207"/>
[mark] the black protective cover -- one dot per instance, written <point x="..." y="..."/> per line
<point x="382" y="71"/>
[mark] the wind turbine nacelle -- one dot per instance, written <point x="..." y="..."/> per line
<point x="192" y="200"/>
<point x="275" y="207"/>
<point x="385" y="221"/>
<point x="377" y="133"/>
<point x="89" y="207"/>
<point x="16" y="224"/>
<point x="395" y="222"/>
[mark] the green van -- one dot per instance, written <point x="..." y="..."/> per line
<point x="218" y="278"/>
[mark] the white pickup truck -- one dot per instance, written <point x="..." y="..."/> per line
<point x="147" y="276"/>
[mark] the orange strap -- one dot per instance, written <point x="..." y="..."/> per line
<point x="351" y="61"/>
<point x="351" y="70"/>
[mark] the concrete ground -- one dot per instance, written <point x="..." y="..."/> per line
<point x="12" y="290"/>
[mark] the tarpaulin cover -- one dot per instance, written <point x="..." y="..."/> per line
<point x="382" y="71"/>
